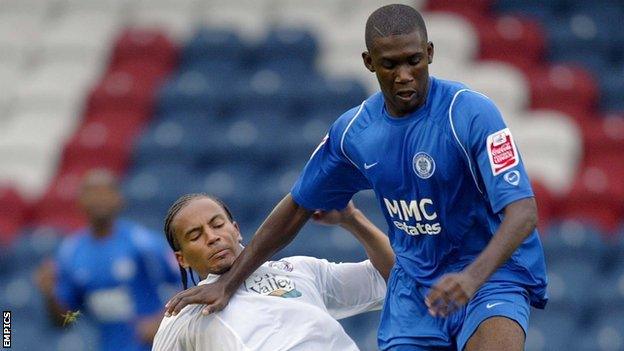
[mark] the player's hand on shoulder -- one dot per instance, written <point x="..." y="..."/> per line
<point x="214" y="296"/>
<point x="452" y="291"/>
<point x="335" y="217"/>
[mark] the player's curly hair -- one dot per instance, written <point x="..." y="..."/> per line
<point x="177" y="206"/>
<point x="393" y="19"/>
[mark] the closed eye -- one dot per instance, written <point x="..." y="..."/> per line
<point x="195" y="235"/>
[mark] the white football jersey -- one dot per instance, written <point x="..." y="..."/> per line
<point x="290" y="304"/>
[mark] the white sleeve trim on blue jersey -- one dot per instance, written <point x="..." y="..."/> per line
<point x="474" y="177"/>
<point x="357" y="114"/>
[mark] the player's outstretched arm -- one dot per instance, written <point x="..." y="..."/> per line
<point x="45" y="277"/>
<point x="375" y="242"/>
<point x="455" y="289"/>
<point x="278" y="229"/>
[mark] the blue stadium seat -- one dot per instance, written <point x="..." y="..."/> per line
<point x="208" y="45"/>
<point x="175" y="139"/>
<point x="550" y="329"/>
<point x="34" y="245"/>
<point x="606" y="333"/>
<point x="255" y="138"/>
<point x="574" y="239"/>
<point x="150" y="191"/>
<point x="543" y="10"/>
<point x="571" y="284"/>
<point x="335" y="94"/>
<point x="363" y="329"/>
<point x="580" y="38"/>
<point x="192" y="91"/>
<point x="287" y="44"/>
<point x="611" y="88"/>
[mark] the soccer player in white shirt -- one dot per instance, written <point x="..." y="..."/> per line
<point x="290" y="304"/>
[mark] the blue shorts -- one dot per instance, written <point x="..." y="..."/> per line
<point x="407" y="325"/>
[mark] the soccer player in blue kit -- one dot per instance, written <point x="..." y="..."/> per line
<point x="448" y="177"/>
<point x="115" y="271"/>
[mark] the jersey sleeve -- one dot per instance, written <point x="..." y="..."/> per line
<point x="66" y="290"/>
<point x="491" y="148"/>
<point x="350" y="288"/>
<point x="329" y="179"/>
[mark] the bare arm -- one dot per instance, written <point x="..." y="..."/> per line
<point x="280" y="227"/>
<point x="455" y="289"/>
<point x="375" y="242"/>
<point x="46" y="279"/>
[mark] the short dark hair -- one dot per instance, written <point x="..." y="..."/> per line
<point x="177" y="206"/>
<point x="393" y="19"/>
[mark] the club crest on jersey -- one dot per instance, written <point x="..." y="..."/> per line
<point x="502" y="151"/>
<point x="282" y="265"/>
<point x="512" y="177"/>
<point x="423" y="165"/>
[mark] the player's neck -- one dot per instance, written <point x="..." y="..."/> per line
<point x="102" y="229"/>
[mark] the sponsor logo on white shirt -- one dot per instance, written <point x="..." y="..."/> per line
<point x="269" y="284"/>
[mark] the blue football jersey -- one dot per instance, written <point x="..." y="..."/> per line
<point x="442" y="176"/>
<point x="116" y="280"/>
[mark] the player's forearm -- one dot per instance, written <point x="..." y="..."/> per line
<point x="280" y="227"/>
<point x="375" y="242"/>
<point x="55" y="310"/>
<point x="519" y="222"/>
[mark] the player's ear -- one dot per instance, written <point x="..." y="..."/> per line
<point x="180" y="258"/>
<point x="240" y="237"/>
<point x="430" y="52"/>
<point x="368" y="61"/>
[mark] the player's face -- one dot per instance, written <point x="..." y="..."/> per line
<point x="208" y="241"/>
<point x="101" y="202"/>
<point x="401" y="63"/>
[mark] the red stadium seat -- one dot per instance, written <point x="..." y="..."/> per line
<point x="58" y="207"/>
<point x="12" y="213"/>
<point x="79" y="158"/>
<point x="121" y="92"/>
<point x="471" y="9"/>
<point x="604" y="139"/>
<point x="597" y="197"/>
<point x="144" y="45"/>
<point x="147" y="74"/>
<point x="516" y="40"/>
<point x="563" y="87"/>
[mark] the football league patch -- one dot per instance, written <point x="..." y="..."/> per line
<point x="502" y="151"/>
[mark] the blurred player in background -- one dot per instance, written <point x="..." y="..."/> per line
<point x="114" y="270"/>
<point x="290" y="304"/>
<point x="454" y="191"/>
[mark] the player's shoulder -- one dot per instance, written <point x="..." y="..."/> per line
<point x="456" y="93"/>
<point x="298" y="264"/>
<point x="73" y="243"/>
<point x="362" y="113"/>
<point x="171" y="328"/>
